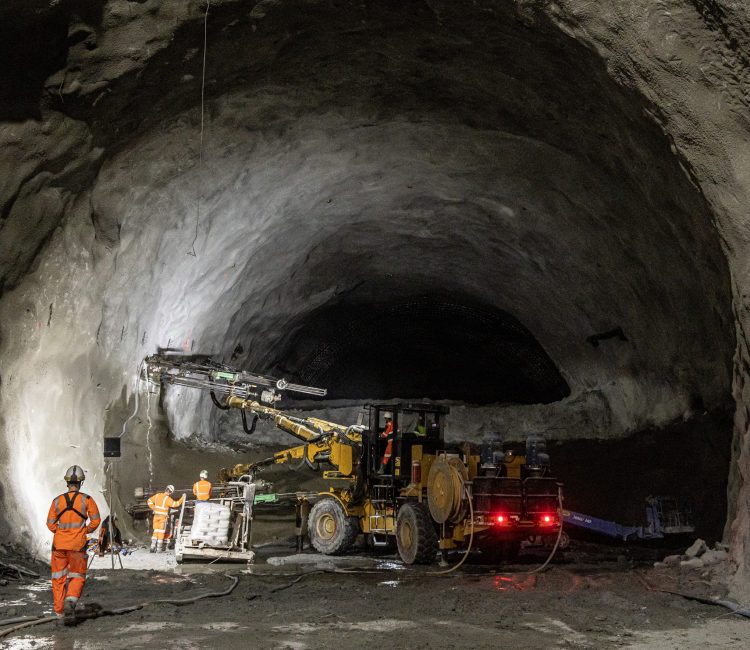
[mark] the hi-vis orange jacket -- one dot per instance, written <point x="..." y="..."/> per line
<point x="202" y="490"/>
<point x="161" y="502"/>
<point x="67" y="518"/>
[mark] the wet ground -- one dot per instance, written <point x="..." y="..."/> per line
<point x="588" y="599"/>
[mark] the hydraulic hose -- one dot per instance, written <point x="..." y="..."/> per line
<point x="217" y="403"/>
<point x="251" y="429"/>
<point x="557" y="541"/>
<point x="124" y="610"/>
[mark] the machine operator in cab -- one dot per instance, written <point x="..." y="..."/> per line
<point x="387" y="434"/>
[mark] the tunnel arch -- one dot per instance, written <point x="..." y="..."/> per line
<point x="491" y="145"/>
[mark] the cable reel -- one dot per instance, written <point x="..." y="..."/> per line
<point x="446" y="490"/>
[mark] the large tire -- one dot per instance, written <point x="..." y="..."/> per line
<point x="415" y="534"/>
<point x="330" y="531"/>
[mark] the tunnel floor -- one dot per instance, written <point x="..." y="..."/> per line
<point x="602" y="600"/>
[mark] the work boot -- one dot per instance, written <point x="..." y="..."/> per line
<point x="69" y="610"/>
<point x="153" y="548"/>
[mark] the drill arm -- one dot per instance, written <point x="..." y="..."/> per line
<point x="339" y="447"/>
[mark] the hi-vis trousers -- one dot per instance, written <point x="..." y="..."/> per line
<point x="68" y="576"/>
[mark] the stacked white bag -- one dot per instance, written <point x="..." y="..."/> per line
<point x="210" y="524"/>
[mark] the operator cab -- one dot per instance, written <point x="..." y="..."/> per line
<point x="410" y="424"/>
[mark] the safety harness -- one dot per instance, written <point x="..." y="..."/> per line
<point x="69" y="503"/>
<point x="70" y="507"/>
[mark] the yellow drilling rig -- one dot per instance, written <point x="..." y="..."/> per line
<point x="392" y="476"/>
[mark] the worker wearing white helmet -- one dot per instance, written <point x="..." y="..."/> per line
<point x="202" y="488"/>
<point x="161" y="503"/>
<point x="71" y="517"/>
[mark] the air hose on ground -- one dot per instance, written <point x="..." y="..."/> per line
<point x="96" y="613"/>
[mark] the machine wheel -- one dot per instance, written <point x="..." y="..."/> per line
<point x="331" y="532"/>
<point x="415" y="534"/>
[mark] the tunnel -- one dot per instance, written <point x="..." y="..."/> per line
<point x="520" y="210"/>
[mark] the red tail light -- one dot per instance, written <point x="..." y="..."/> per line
<point x="547" y="520"/>
<point x="502" y="520"/>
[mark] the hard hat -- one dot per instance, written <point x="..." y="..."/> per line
<point x="204" y="474"/>
<point x="74" y="474"/>
<point x="170" y="488"/>
<point x="388" y="415"/>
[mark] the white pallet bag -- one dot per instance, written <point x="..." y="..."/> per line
<point x="210" y="524"/>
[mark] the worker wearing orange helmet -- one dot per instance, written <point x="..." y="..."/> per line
<point x="71" y="517"/>
<point x="202" y="488"/>
<point x="161" y="503"/>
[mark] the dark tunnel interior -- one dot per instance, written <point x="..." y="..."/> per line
<point x="422" y="348"/>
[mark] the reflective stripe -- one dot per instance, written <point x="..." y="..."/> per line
<point x="83" y="503"/>
<point x="50" y="520"/>
<point x="59" y="574"/>
<point x="57" y="508"/>
<point x="75" y="524"/>
<point x="94" y="517"/>
<point x="160" y="530"/>
<point x="76" y="575"/>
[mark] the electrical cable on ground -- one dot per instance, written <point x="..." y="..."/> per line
<point x="200" y="146"/>
<point x="733" y="607"/>
<point x="127" y="609"/>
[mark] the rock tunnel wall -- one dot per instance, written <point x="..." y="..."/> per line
<point x="580" y="169"/>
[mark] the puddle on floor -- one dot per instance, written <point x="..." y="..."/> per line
<point x="379" y="626"/>
<point x="389" y="565"/>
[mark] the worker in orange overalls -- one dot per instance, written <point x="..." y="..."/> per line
<point x="387" y="434"/>
<point x="67" y="519"/>
<point x="161" y="503"/>
<point x="202" y="489"/>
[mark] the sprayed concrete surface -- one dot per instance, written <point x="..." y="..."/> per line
<point x="603" y="601"/>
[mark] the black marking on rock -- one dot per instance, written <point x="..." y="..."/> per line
<point x="609" y="334"/>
